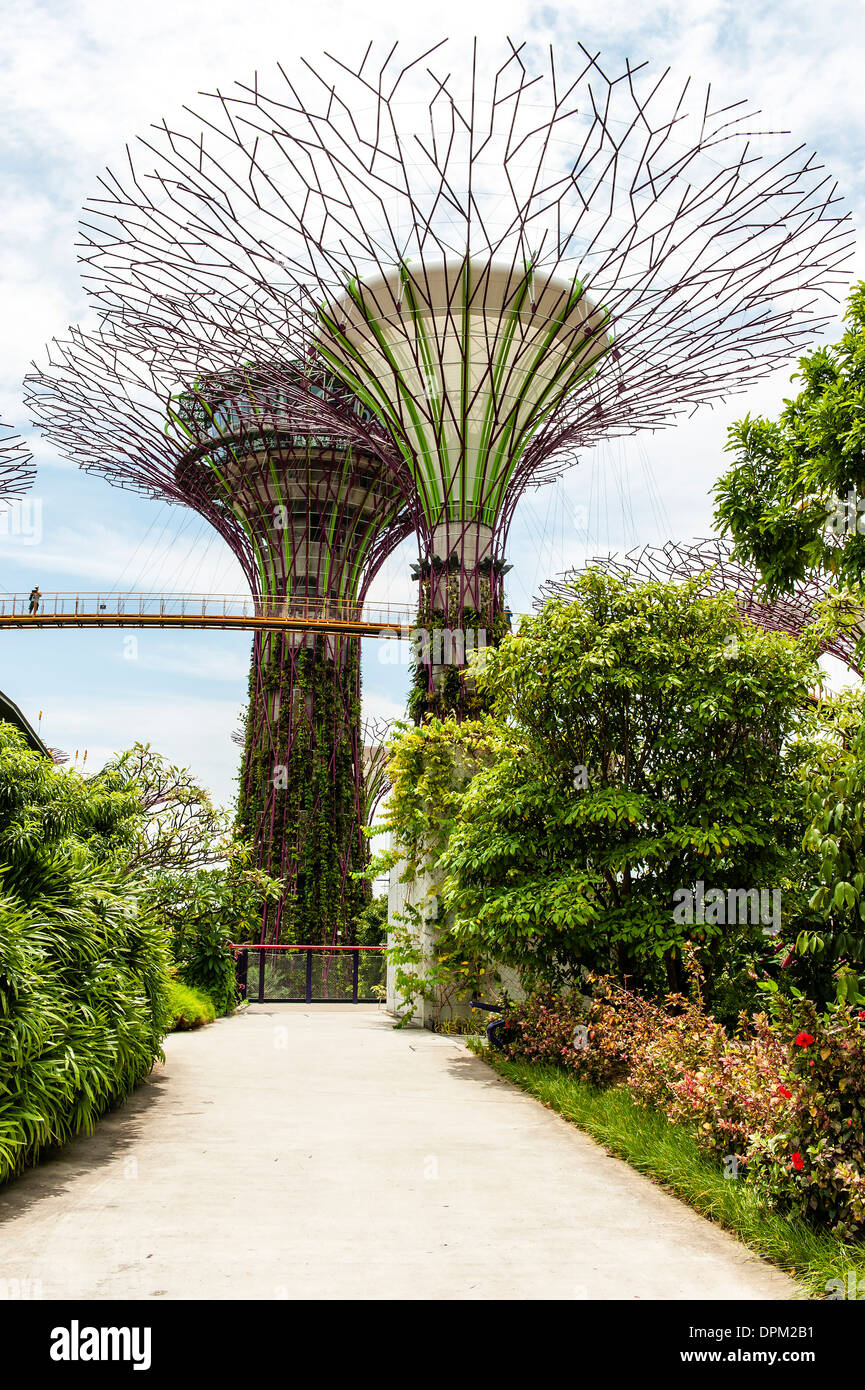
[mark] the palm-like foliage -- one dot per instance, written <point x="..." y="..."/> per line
<point x="82" y="972"/>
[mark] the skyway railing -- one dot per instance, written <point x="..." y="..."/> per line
<point x="295" y="614"/>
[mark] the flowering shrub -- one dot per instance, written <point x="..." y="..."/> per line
<point x="785" y="1095"/>
<point x="813" y="1158"/>
<point x="594" y="1037"/>
<point x="723" y="1088"/>
<point x="543" y="1028"/>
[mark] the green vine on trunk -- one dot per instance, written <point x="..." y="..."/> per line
<point x="301" y="770"/>
<point x="452" y="688"/>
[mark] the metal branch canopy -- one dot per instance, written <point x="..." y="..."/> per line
<point x="16" y="466"/>
<point x="712" y="559"/>
<point x="384" y="297"/>
<point x="502" y="265"/>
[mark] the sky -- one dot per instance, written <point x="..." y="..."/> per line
<point x="81" y="80"/>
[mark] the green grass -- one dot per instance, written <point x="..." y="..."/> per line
<point x="189" y="1007"/>
<point x="667" y="1153"/>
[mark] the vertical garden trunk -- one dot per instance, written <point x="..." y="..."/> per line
<point x="301" y="783"/>
<point x="461" y="612"/>
<point x="312" y="520"/>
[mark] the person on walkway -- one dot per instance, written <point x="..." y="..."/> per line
<point x="35" y="596"/>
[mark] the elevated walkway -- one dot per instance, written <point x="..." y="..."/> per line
<point x="112" y="609"/>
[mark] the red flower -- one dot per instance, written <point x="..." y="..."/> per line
<point x="803" y="1040"/>
<point x="782" y="1091"/>
<point x="798" y="1163"/>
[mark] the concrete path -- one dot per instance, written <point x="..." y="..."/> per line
<point x="314" y="1152"/>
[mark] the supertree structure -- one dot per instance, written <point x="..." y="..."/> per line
<point x="16" y="466"/>
<point x="711" y="558"/>
<point x="504" y="265"/>
<point x="311" y="517"/>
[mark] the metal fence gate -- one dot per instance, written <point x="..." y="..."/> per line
<point x="310" y="974"/>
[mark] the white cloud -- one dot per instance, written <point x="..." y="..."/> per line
<point x="194" y="659"/>
<point x="194" y="733"/>
<point x="179" y="554"/>
<point x="379" y="706"/>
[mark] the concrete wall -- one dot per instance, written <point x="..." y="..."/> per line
<point x="422" y="893"/>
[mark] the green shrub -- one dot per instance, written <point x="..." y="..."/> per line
<point x="644" y="739"/>
<point x="206" y="963"/>
<point x="189" y="1007"/>
<point x="371" y="927"/>
<point x="83" y="974"/>
<point x="202" y="912"/>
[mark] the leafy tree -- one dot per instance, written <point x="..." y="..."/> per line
<point x="835" y="941"/>
<point x="195" y="879"/>
<point x="177" y="827"/>
<point x="204" y="912"/>
<point x="794" y="499"/>
<point x="372" y="923"/>
<point x="646" y="745"/>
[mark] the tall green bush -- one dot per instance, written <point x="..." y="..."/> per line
<point x="83" y="972"/>
<point x="429" y="769"/>
<point x="836" y="840"/>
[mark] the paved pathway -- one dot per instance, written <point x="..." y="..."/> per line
<point x="314" y="1152"/>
